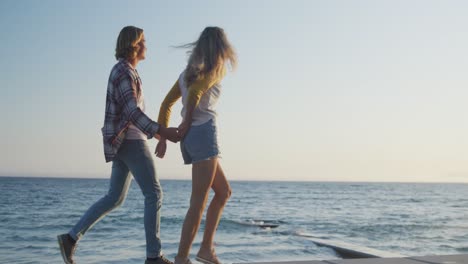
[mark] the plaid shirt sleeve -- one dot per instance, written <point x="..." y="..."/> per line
<point x="126" y="95"/>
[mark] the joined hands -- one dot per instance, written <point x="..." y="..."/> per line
<point x="172" y="134"/>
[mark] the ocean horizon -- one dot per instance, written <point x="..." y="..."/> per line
<point x="407" y="218"/>
<point x="236" y="180"/>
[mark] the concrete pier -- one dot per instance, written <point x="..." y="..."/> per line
<point x="447" y="259"/>
<point x="347" y="250"/>
<point x="357" y="254"/>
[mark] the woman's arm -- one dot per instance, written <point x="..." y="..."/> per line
<point x="164" y="116"/>
<point x="166" y="106"/>
<point x="195" y="92"/>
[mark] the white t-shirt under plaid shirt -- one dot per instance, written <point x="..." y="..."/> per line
<point x="123" y="90"/>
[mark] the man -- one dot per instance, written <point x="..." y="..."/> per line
<point x="126" y="129"/>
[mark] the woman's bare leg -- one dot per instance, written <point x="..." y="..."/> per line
<point x="203" y="174"/>
<point x="222" y="193"/>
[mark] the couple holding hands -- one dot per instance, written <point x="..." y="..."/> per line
<point x="127" y="127"/>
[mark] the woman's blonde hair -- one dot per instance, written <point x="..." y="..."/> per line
<point x="209" y="55"/>
<point x="127" y="41"/>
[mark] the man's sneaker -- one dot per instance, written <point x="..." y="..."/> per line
<point x="67" y="248"/>
<point x="160" y="260"/>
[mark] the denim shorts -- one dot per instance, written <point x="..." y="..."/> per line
<point x="200" y="143"/>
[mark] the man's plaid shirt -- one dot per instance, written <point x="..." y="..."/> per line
<point x="123" y="89"/>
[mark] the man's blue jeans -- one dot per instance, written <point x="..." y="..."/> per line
<point x="133" y="156"/>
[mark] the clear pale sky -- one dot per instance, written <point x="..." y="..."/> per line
<point x="324" y="91"/>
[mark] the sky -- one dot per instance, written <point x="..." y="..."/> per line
<point x="324" y="90"/>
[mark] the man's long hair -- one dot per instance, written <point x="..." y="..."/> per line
<point x="127" y="41"/>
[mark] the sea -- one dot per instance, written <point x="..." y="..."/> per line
<point x="412" y="219"/>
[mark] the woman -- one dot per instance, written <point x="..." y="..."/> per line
<point x="199" y="87"/>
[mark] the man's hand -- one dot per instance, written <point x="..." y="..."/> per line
<point x="169" y="133"/>
<point x="161" y="148"/>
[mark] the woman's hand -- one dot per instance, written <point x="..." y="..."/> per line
<point x="161" y="148"/>
<point x="183" y="128"/>
<point x="169" y="133"/>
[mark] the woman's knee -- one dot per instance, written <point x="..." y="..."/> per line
<point x="224" y="195"/>
<point x="197" y="202"/>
